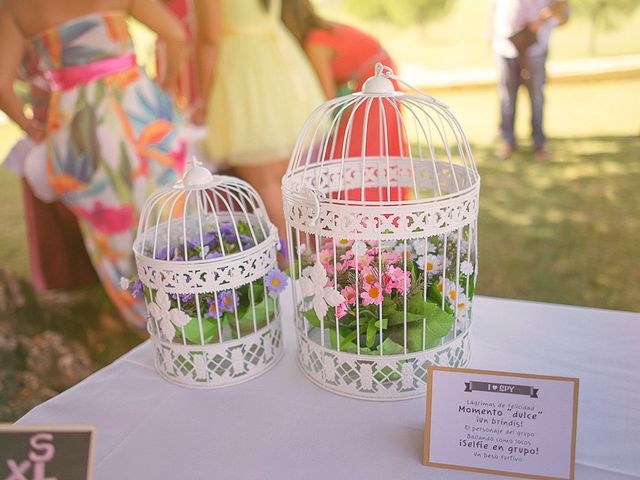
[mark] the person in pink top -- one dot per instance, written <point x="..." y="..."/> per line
<point x="344" y="58"/>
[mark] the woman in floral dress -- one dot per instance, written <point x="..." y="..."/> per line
<point x="110" y="133"/>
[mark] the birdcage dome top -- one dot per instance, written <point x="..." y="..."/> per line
<point x="375" y="149"/>
<point x="205" y="232"/>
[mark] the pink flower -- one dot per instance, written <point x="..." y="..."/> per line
<point x="368" y="276"/>
<point x="348" y="264"/>
<point x="348" y="255"/>
<point x="397" y="278"/>
<point x="341" y="267"/>
<point x="341" y="310"/>
<point x="349" y="293"/>
<point x="326" y="255"/>
<point x="391" y="258"/>
<point x="372" y="294"/>
<point x="364" y="261"/>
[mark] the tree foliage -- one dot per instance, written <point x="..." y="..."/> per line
<point x="400" y="12"/>
<point x="603" y="14"/>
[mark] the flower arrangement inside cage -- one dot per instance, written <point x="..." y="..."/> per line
<point x="387" y="297"/>
<point x="214" y="317"/>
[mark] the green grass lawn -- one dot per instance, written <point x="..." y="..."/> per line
<point x="565" y="230"/>
<point x="13" y="244"/>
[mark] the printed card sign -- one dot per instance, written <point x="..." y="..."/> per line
<point x="501" y="423"/>
<point x="46" y="452"/>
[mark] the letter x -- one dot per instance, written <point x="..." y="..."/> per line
<point x="17" y="470"/>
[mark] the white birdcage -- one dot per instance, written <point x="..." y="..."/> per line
<point x="381" y="202"/>
<point x="206" y="258"/>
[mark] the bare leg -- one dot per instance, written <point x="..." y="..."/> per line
<point x="266" y="180"/>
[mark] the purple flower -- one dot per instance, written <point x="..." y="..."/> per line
<point x="230" y="237"/>
<point x="227" y="301"/>
<point x="213" y="311"/>
<point x="187" y="297"/>
<point x="246" y="241"/>
<point x="210" y="238"/>
<point x="212" y="255"/>
<point x="227" y="228"/>
<point x="161" y="254"/>
<point x="136" y="288"/>
<point x="177" y="255"/>
<point x="276" y="281"/>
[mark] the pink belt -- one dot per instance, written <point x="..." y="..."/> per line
<point x="70" y="77"/>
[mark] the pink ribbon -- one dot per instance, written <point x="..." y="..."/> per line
<point x="70" y="77"/>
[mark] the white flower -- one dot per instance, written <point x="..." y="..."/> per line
<point x="313" y="284"/>
<point x="422" y="247"/>
<point x="462" y="304"/>
<point x="301" y="248"/>
<point x="455" y="295"/>
<point x="124" y="283"/>
<point x="466" y="267"/>
<point x="359" y="248"/>
<point x="165" y="316"/>
<point x="431" y="264"/>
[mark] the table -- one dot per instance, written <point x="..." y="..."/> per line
<point x="280" y="425"/>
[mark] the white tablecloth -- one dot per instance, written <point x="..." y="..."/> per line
<point x="282" y="426"/>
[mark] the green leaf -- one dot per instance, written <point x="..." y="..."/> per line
<point x="347" y="338"/>
<point x="245" y="317"/>
<point x="416" y="311"/>
<point x="464" y="280"/>
<point x="438" y="325"/>
<point x="389" y="347"/>
<point x="388" y="307"/>
<point x="312" y="318"/>
<point x="385" y="323"/>
<point x="371" y="334"/>
<point x="192" y="330"/>
<point x="413" y="269"/>
<point x="397" y="318"/>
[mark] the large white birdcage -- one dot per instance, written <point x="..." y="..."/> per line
<point x="381" y="202"/>
<point x="206" y="258"/>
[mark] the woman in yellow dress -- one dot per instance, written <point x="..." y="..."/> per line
<point x="256" y="90"/>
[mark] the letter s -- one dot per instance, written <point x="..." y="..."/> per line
<point x="42" y="442"/>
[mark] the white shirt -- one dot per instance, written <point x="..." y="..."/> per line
<point x="511" y="16"/>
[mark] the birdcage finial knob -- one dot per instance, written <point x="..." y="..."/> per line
<point x="379" y="83"/>
<point x="196" y="175"/>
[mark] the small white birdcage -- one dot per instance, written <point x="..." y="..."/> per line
<point x="206" y="258"/>
<point x="381" y="200"/>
